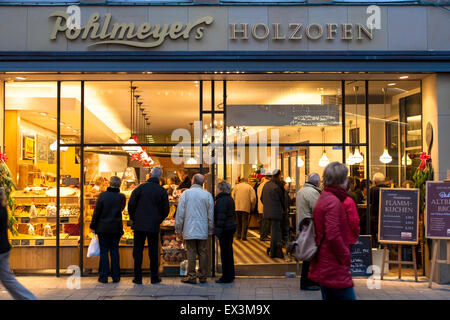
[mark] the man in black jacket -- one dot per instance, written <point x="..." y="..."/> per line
<point x="148" y="207"/>
<point x="273" y="199"/>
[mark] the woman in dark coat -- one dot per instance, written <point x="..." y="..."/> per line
<point x="107" y="224"/>
<point x="225" y="227"/>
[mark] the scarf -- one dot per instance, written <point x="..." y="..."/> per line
<point x="338" y="191"/>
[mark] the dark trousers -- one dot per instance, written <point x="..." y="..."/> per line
<point x="338" y="294"/>
<point x="264" y="227"/>
<point x="242" y="220"/>
<point x="304" y="280"/>
<point x="226" y="255"/>
<point x="109" y="246"/>
<point x="285" y="230"/>
<point x="275" y="241"/>
<point x="153" y="253"/>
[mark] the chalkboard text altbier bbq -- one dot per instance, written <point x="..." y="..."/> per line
<point x="398" y="220"/>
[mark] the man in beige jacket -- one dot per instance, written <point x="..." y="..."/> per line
<point x="245" y="200"/>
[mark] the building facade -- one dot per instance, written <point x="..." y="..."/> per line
<point x="288" y="85"/>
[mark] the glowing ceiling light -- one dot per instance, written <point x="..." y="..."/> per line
<point x="357" y="157"/>
<point x="54" y="146"/>
<point x="43" y="114"/>
<point x="288" y="179"/>
<point x="191" y="160"/>
<point x="324" y="161"/>
<point x="300" y="162"/>
<point x="404" y="77"/>
<point x="385" y="157"/>
<point x="350" y="160"/>
<point x="130" y="148"/>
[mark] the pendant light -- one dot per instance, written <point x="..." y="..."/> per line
<point x="357" y="157"/>
<point x="324" y="161"/>
<point x="385" y="157"/>
<point x="408" y="160"/>
<point x="129" y="148"/>
<point x="300" y="162"/>
<point x="350" y="160"/>
<point x="62" y="147"/>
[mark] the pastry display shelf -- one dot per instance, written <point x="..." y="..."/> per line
<point x="47" y="219"/>
<point x="41" y="241"/>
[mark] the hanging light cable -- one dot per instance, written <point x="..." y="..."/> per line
<point x="357" y="157"/>
<point x="385" y="157"/>
<point x="129" y="148"/>
<point x="324" y="161"/>
<point x="349" y="160"/>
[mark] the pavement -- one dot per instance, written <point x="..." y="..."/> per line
<point x="245" y="288"/>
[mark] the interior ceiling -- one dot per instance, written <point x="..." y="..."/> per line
<point x="169" y="104"/>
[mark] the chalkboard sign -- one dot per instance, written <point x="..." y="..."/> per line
<point x="64" y="219"/>
<point x="39" y="242"/>
<point x="361" y="254"/>
<point x="398" y="220"/>
<point x="15" y="242"/>
<point x="24" y="242"/>
<point x="25" y="220"/>
<point x="69" y="181"/>
<point x="438" y="210"/>
<point x="129" y="242"/>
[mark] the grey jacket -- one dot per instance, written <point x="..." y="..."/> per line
<point x="306" y="201"/>
<point x="195" y="214"/>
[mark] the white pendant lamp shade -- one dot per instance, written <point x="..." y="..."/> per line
<point x="191" y="160"/>
<point x="324" y="161"/>
<point x="385" y="157"/>
<point x="131" y="146"/>
<point x="300" y="162"/>
<point x="408" y="160"/>
<point x="54" y="146"/>
<point x="350" y="160"/>
<point x="357" y="157"/>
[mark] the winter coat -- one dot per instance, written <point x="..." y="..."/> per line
<point x="244" y="197"/>
<point x="224" y="214"/>
<point x="306" y="201"/>
<point x="186" y="184"/>
<point x="4" y="242"/>
<point x="258" y="195"/>
<point x="195" y="214"/>
<point x="107" y="217"/>
<point x="352" y="219"/>
<point x="148" y="206"/>
<point x="331" y="267"/>
<point x="273" y="199"/>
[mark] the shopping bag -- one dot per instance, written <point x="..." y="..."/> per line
<point x="94" y="247"/>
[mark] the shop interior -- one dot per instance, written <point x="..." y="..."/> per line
<point x="124" y="127"/>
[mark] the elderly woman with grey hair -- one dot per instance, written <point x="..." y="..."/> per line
<point x="225" y="227"/>
<point x="107" y="224"/>
<point x="331" y="266"/>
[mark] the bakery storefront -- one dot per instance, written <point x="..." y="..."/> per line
<point x="133" y="87"/>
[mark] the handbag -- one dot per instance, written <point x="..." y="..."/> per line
<point x="304" y="246"/>
<point x="94" y="247"/>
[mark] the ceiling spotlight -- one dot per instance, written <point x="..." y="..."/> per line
<point x="392" y="84"/>
<point x="53" y="119"/>
<point x="43" y="114"/>
<point x="21" y="78"/>
<point x="403" y="77"/>
<point x="69" y="127"/>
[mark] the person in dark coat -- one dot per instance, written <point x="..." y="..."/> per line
<point x="15" y="289"/>
<point x="148" y="207"/>
<point x="273" y="200"/>
<point x="107" y="224"/>
<point x="225" y="227"/>
<point x="331" y="266"/>
<point x="185" y="181"/>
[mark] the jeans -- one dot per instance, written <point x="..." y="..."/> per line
<point x="153" y="253"/>
<point x="275" y="242"/>
<point x="15" y="289"/>
<point x="226" y="255"/>
<point x="109" y="245"/>
<point x="194" y="248"/>
<point x="242" y="219"/>
<point x="264" y="227"/>
<point x="337" y="294"/>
